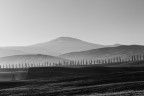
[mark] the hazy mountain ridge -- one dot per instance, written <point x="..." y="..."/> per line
<point x="35" y="50"/>
<point x="66" y="44"/>
<point x="123" y="51"/>
<point x="58" y="46"/>
<point x="72" y="48"/>
<point x="9" y="52"/>
<point x="38" y="58"/>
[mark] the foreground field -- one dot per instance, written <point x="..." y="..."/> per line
<point x="80" y="81"/>
<point x="122" y="93"/>
<point x="44" y="88"/>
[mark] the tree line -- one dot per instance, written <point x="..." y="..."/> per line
<point x="133" y="58"/>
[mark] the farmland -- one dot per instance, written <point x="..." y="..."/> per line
<point x="89" y="80"/>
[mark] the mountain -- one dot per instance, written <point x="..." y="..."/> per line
<point x="35" y="50"/>
<point x="38" y="58"/>
<point x="9" y="52"/>
<point x="59" y="46"/>
<point x="123" y="51"/>
<point x="67" y="44"/>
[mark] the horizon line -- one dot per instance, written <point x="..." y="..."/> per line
<point x="66" y="37"/>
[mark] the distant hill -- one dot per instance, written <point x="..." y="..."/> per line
<point x="34" y="50"/>
<point x="39" y="58"/>
<point x="108" y="52"/>
<point x="9" y="52"/>
<point x="60" y="46"/>
<point x="68" y="44"/>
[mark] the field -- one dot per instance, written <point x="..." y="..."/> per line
<point x="7" y="74"/>
<point x="78" y="81"/>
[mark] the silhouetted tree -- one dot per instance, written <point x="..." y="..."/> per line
<point x="16" y="66"/>
<point x="21" y="65"/>
<point x="86" y="62"/>
<point x="39" y="65"/>
<point x="94" y="61"/>
<point x="78" y="63"/>
<point x="89" y="62"/>
<point x="6" y="66"/>
<point x="72" y="63"/>
<point x="26" y="65"/>
<point x="142" y="57"/>
<point x="59" y="64"/>
<point x="97" y="61"/>
<point x="132" y="58"/>
<point x="47" y="64"/>
<point x="64" y="63"/>
<point x="109" y="61"/>
<point x="83" y="62"/>
<point x="137" y="57"/>
<point x="119" y="59"/>
<point x="9" y="65"/>
<point x="12" y="65"/>
<point x="50" y="64"/>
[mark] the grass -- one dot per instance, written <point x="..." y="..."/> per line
<point x="83" y="81"/>
<point x="59" y="89"/>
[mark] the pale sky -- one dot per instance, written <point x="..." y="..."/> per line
<point x="26" y="22"/>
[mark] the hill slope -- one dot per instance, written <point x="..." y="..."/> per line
<point x="19" y="59"/>
<point x="60" y="46"/>
<point x="68" y="44"/>
<point x="9" y="52"/>
<point x="109" y="52"/>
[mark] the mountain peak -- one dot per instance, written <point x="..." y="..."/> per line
<point x="65" y="39"/>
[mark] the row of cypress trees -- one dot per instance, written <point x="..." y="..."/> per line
<point x="77" y="62"/>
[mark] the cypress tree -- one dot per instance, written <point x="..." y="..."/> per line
<point x="137" y="57"/>
<point x="12" y="66"/>
<point x="132" y="58"/>
<point x="15" y="65"/>
<point x="50" y="64"/>
<point x="94" y="61"/>
<point x="47" y="64"/>
<point x="81" y="62"/>
<point x="5" y="65"/>
<point x="64" y="63"/>
<point x="78" y="63"/>
<point x="142" y="57"/>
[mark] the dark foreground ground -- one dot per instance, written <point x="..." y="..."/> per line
<point x="80" y="81"/>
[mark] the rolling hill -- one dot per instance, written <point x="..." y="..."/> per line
<point x="38" y="58"/>
<point x="68" y="44"/>
<point x="123" y="51"/>
<point x="9" y="52"/>
<point x="60" y="46"/>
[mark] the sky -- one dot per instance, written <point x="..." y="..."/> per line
<point x="27" y="22"/>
